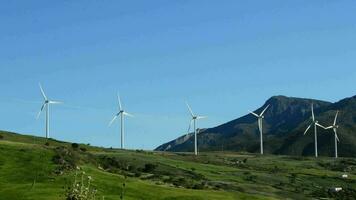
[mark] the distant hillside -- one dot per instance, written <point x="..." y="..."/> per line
<point x="284" y="124"/>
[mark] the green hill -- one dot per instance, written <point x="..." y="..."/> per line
<point x="34" y="168"/>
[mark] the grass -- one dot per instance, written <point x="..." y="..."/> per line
<point x="29" y="169"/>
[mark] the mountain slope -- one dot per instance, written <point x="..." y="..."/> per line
<point x="284" y="124"/>
<point x="296" y="143"/>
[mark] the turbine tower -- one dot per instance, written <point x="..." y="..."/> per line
<point x="46" y="104"/>
<point x="260" y="119"/>
<point x="193" y="121"/>
<point x="335" y="127"/>
<point x="315" y="123"/>
<point x="122" y="115"/>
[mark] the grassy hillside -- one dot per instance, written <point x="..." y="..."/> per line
<point x="33" y="168"/>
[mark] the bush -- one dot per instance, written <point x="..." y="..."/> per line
<point x="198" y="186"/>
<point x="83" y="149"/>
<point x="47" y="144"/>
<point x="149" y="167"/>
<point x="75" y="145"/>
<point x="65" y="158"/>
<point x="112" y="163"/>
<point x="1" y="137"/>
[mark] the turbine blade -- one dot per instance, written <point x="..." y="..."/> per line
<point x="43" y="93"/>
<point x="253" y="114"/>
<point x="306" y="130"/>
<point x="39" y="113"/>
<point x="55" y="102"/>
<point x="202" y="117"/>
<point x="119" y="100"/>
<point x="190" y="110"/>
<point x="264" y="110"/>
<point x="113" y="119"/>
<point x="190" y="126"/>
<point x="127" y="114"/>
<point x="260" y="125"/>
<point x="337" y="112"/>
<point x="320" y="125"/>
<point x="329" y="127"/>
<point x="312" y="109"/>
<point x="337" y="138"/>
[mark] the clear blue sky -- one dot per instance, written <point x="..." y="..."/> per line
<point x="223" y="57"/>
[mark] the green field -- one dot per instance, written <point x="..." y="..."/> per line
<point x="33" y="168"/>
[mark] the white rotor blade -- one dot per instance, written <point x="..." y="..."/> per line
<point x="312" y="109"/>
<point x="259" y="124"/>
<point x="307" y="129"/>
<point x="320" y="125"/>
<point x="337" y="112"/>
<point x="39" y="113"/>
<point x="253" y="114"/>
<point x="190" y="110"/>
<point x="43" y="93"/>
<point x="55" y="102"/>
<point x="329" y="127"/>
<point x="264" y="110"/>
<point x="113" y="119"/>
<point x="119" y="100"/>
<point x="202" y="117"/>
<point x="128" y="114"/>
<point x="190" y="126"/>
<point x="337" y="138"/>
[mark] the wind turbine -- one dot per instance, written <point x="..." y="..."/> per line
<point x="194" y="122"/>
<point x="335" y="127"/>
<point x="315" y="123"/>
<point x="260" y="119"/>
<point x="46" y="105"/>
<point x="122" y="114"/>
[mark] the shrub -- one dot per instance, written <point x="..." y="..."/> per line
<point x="81" y="190"/>
<point x="83" y="149"/>
<point x="65" y="158"/>
<point x="149" y="167"/>
<point x="1" y="137"/>
<point x="198" y="186"/>
<point x="75" y="145"/>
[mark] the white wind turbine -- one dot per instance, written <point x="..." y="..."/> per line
<point x="260" y="120"/>
<point x="315" y="123"/>
<point x="335" y="127"/>
<point x="122" y="114"/>
<point x="194" y="122"/>
<point x="46" y="105"/>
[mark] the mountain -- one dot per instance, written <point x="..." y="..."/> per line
<point x="283" y="127"/>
